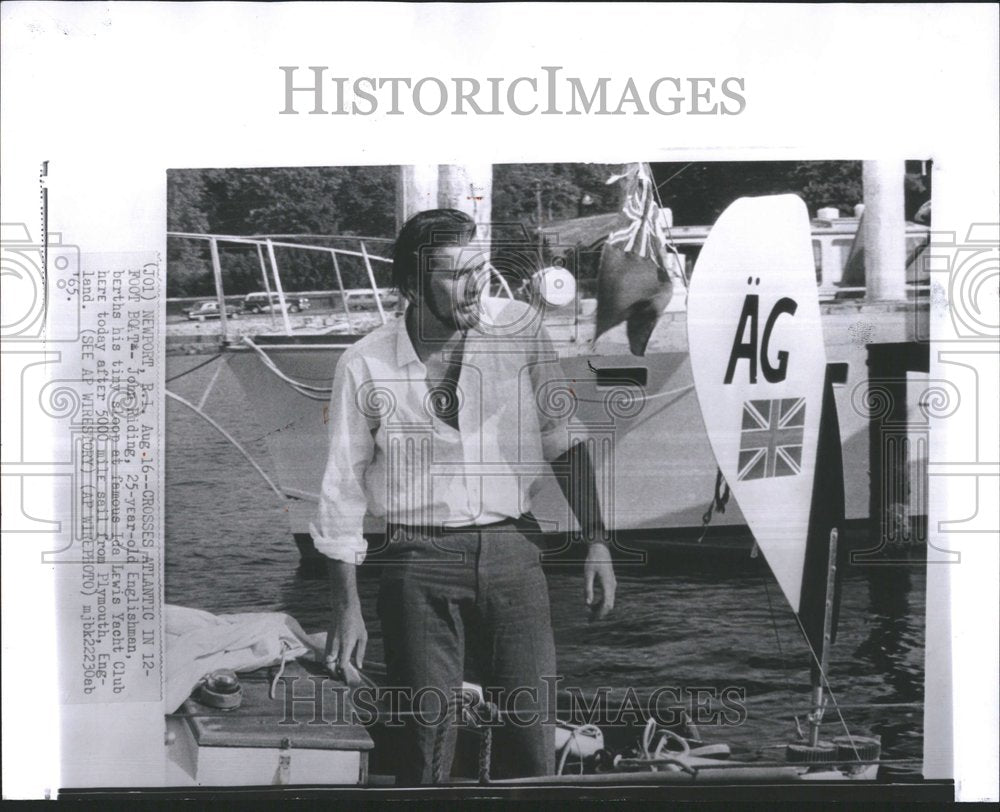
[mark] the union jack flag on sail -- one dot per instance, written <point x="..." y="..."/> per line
<point x="771" y="438"/>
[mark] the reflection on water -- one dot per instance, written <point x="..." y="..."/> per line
<point x="681" y="627"/>
<point x="892" y="638"/>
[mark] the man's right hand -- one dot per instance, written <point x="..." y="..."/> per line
<point x="346" y="637"/>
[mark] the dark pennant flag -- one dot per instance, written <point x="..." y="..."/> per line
<point x="633" y="283"/>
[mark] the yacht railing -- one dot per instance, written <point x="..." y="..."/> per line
<point x="267" y="244"/>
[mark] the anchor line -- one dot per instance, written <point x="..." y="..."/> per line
<point x="230" y="438"/>
<point x="195" y="367"/>
<point x="304" y="389"/>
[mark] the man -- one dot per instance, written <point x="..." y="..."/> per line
<point x="438" y="424"/>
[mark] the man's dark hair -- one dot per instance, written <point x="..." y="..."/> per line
<point x="427" y="228"/>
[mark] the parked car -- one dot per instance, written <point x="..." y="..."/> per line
<point x="200" y="311"/>
<point x="364" y="299"/>
<point x="267" y="303"/>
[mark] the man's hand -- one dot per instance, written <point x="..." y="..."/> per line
<point x="580" y="491"/>
<point x="347" y="637"/>
<point x="598" y="566"/>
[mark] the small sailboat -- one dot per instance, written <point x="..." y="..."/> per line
<point x="766" y="395"/>
<point x="765" y="392"/>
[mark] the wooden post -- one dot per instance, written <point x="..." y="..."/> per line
<point x="416" y="191"/>
<point x="818" y="673"/>
<point x="888" y="445"/>
<point x="468" y="188"/>
<point x="884" y="231"/>
<point x="217" y="273"/>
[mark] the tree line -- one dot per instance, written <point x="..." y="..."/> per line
<point x="351" y="201"/>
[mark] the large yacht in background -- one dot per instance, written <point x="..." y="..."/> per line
<point x="654" y="461"/>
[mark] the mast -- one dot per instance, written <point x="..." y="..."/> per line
<point x="466" y="187"/>
<point x="816" y="718"/>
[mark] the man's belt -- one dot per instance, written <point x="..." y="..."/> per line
<point x="524" y="523"/>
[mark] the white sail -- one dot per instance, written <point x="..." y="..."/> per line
<point x="758" y="360"/>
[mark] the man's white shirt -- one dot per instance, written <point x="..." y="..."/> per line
<point x="392" y="457"/>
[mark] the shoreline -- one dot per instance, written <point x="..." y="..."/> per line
<point x="849" y="321"/>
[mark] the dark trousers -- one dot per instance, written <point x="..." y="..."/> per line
<point x="477" y="591"/>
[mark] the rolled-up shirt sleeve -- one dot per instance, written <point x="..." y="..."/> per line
<point x="338" y="528"/>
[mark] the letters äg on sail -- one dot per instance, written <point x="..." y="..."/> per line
<point x="758" y="358"/>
